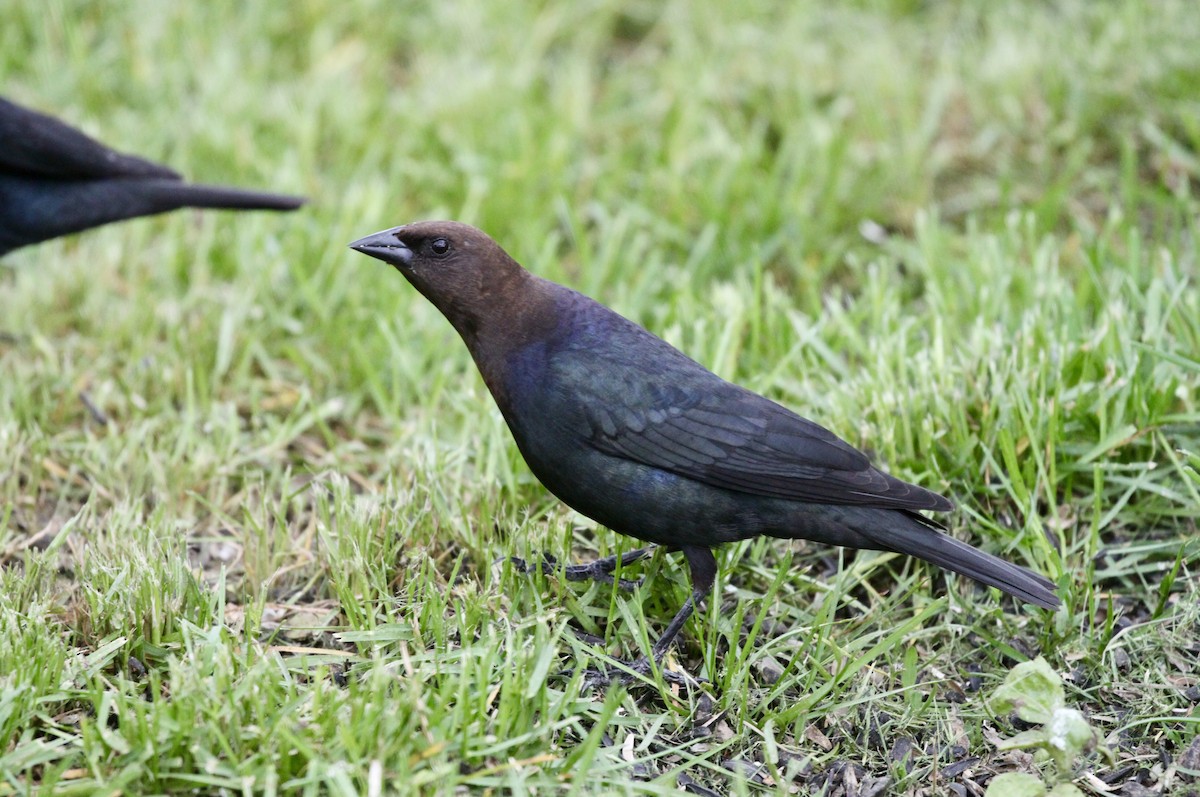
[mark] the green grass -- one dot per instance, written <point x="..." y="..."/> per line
<point x="963" y="236"/>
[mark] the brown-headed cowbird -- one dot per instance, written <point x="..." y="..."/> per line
<point x="55" y="180"/>
<point x="632" y="433"/>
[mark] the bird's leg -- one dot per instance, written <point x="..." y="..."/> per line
<point x="704" y="573"/>
<point x="599" y="570"/>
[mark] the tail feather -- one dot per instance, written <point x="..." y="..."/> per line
<point x="918" y="538"/>
<point x="191" y="195"/>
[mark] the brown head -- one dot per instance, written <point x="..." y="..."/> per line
<point x="457" y="267"/>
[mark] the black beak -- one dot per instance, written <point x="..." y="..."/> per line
<point x="385" y="246"/>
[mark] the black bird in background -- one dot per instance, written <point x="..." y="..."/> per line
<point x="54" y="180"/>
<point x="629" y="431"/>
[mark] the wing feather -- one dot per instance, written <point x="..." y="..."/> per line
<point x="704" y="428"/>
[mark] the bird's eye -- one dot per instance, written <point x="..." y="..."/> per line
<point x="439" y="246"/>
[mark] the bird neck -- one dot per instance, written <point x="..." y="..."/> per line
<point x="513" y="317"/>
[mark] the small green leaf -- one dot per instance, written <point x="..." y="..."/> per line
<point x="1035" y="692"/>
<point x="1032" y="689"/>
<point x="1068" y="736"/>
<point x="1015" y="784"/>
<point x="1065" y="790"/>
<point x="1032" y="738"/>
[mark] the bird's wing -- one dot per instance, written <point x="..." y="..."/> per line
<point x="33" y="144"/>
<point x="688" y="421"/>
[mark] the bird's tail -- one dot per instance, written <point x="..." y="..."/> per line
<point x="170" y="194"/>
<point x="918" y="536"/>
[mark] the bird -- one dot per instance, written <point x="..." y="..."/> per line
<point x="634" y="434"/>
<point x="55" y="180"/>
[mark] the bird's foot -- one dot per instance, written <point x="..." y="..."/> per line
<point x="594" y="571"/>
<point x="548" y="564"/>
<point x="600" y="570"/>
<point x="627" y="672"/>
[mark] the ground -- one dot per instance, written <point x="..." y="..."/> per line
<point x="256" y="505"/>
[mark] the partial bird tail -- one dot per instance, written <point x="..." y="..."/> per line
<point x="180" y="195"/>
<point x="918" y="536"/>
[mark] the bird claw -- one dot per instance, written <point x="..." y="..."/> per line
<point x="546" y="566"/>
<point x="632" y="671"/>
<point x="593" y="571"/>
<point x="599" y="570"/>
